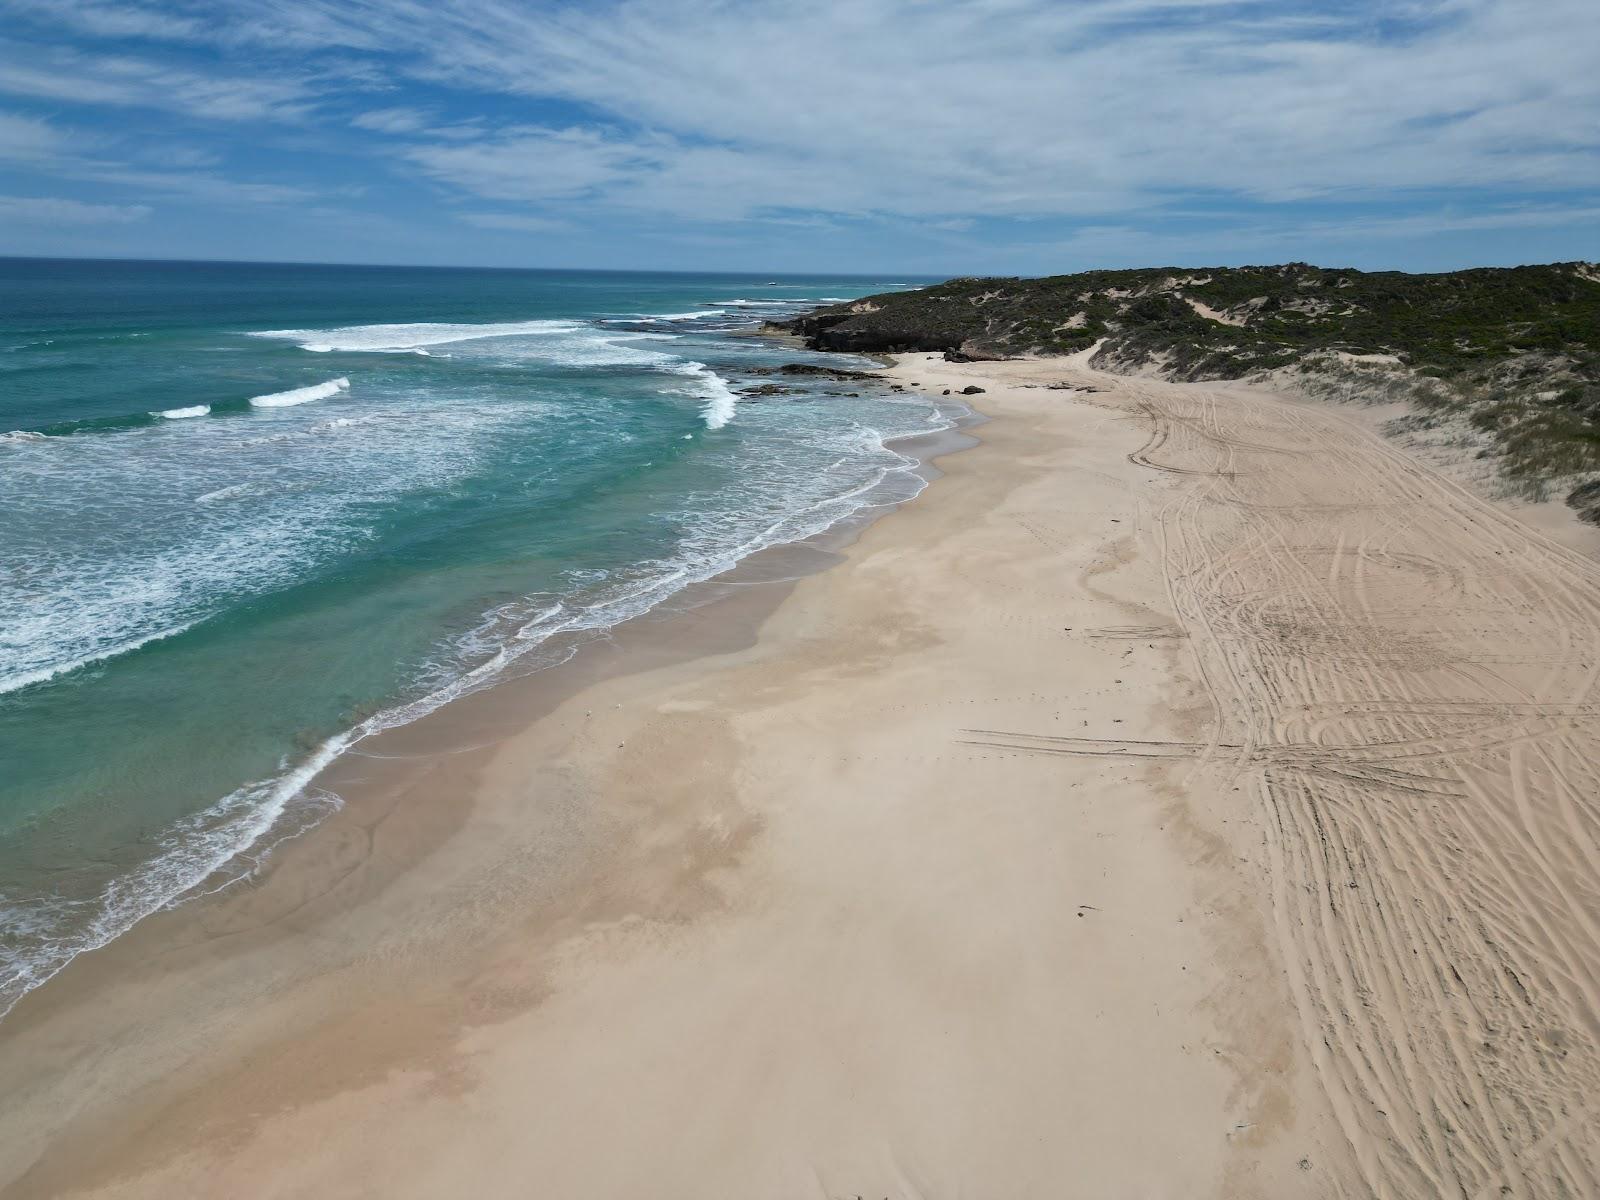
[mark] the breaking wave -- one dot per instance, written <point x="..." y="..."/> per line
<point x="305" y="395"/>
<point x="560" y="343"/>
<point x="408" y="338"/>
<point x="719" y="401"/>
<point x="291" y="518"/>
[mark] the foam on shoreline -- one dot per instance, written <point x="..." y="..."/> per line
<point x="223" y="844"/>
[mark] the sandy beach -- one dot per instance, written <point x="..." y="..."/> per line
<point x="1188" y="795"/>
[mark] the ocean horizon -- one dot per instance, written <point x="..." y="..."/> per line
<point x="256" y="512"/>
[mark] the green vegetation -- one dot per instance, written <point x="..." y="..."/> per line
<point x="1514" y="351"/>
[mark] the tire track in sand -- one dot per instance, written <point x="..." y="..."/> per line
<point x="1406" y="678"/>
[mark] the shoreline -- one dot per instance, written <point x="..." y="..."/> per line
<point x="576" y="851"/>
<point x="909" y="876"/>
<point x="294" y="794"/>
<point x="303" y="871"/>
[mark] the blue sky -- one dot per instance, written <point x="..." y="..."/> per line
<point x="934" y="136"/>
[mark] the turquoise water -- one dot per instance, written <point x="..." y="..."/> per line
<point x="251" y="513"/>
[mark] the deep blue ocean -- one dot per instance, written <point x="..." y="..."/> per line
<point x="251" y="513"/>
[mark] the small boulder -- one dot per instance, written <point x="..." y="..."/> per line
<point x="969" y="352"/>
<point x="971" y="390"/>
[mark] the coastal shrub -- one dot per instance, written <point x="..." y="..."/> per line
<point x="1515" y="349"/>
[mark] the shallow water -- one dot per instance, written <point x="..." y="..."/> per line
<point x="250" y="513"/>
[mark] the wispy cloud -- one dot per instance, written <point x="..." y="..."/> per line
<point x="1013" y="107"/>
<point x="108" y="20"/>
<point x="29" y="139"/>
<point x="55" y="211"/>
<point x="238" y="23"/>
<point x="951" y="121"/>
<point x="38" y="146"/>
<point x="541" y="164"/>
<point x="101" y="20"/>
<point x="421" y="124"/>
<point x="394" y="120"/>
<point x="126" y="81"/>
<point x="1272" y="238"/>
<point x="193" y="185"/>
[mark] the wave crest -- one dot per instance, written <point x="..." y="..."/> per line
<point x="408" y="338"/>
<point x="305" y="395"/>
<point x="719" y="402"/>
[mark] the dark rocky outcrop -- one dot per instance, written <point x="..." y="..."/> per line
<point x="864" y="329"/>
<point x="813" y="369"/>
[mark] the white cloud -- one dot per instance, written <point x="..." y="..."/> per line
<point x="192" y="185"/>
<point x="28" y="139"/>
<point x="106" y="20"/>
<point x="55" y="211"/>
<point x="541" y="164"/>
<point x="1427" y="224"/>
<point x="120" y="80"/>
<point x="930" y="112"/>
<point x="1010" y="107"/>
<point x="394" y="120"/>
<point x="36" y="145"/>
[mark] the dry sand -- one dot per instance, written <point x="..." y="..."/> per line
<point x="1188" y="796"/>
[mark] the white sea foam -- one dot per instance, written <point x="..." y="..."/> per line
<point x="591" y="347"/>
<point x="118" y="579"/>
<point x="342" y="423"/>
<point x="686" y="316"/>
<point x="22" y="435"/>
<point x="227" y="842"/>
<point x="223" y="843"/>
<point x="563" y="343"/>
<point x="720" y="402"/>
<point x="388" y="339"/>
<point x="178" y="414"/>
<point x="745" y="302"/>
<point x="226" y="493"/>
<point x="305" y="395"/>
<point x="17" y="680"/>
